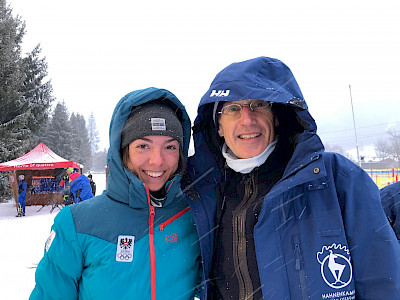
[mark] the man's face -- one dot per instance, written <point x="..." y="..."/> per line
<point x="250" y="133"/>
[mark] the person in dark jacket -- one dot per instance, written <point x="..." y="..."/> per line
<point x="67" y="195"/>
<point x="22" y="186"/>
<point x="277" y="216"/>
<point x="92" y="184"/>
<point x="65" y="180"/>
<point x="137" y="240"/>
<point x="390" y="197"/>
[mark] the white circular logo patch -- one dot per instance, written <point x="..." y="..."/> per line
<point x="336" y="269"/>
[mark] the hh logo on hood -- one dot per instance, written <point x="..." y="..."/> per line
<point x="335" y="263"/>
<point x="220" y="93"/>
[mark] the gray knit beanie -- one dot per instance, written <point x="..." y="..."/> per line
<point x="151" y="118"/>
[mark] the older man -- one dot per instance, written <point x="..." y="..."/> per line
<point x="277" y="217"/>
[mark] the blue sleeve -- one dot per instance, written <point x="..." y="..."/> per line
<point x="375" y="252"/>
<point x="390" y="197"/>
<point x="74" y="187"/>
<point x="60" y="269"/>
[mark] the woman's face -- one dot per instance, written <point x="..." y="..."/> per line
<point x="154" y="159"/>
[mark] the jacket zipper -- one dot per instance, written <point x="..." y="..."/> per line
<point x="173" y="218"/>
<point x="298" y="266"/>
<point x="239" y="239"/>
<point x="151" y="245"/>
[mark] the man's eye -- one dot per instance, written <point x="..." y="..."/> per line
<point x="233" y="108"/>
<point x="142" y="146"/>
<point x="259" y="104"/>
<point x="171" y="147"/>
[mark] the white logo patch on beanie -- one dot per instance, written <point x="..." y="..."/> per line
<point x="158" y="124"/>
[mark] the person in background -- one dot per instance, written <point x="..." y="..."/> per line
<point x="22" y="187"/>
<point x="390" y="197"/>
<point x="277" y="216"/>
<point x="80" y="187"/>
<point x="67" y="196"/>
<point x="65" y="180"/>
<point x="92" y="184"/>
<point x="137" y="240"/>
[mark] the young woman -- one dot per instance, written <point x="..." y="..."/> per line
<point x="137" y="240"/>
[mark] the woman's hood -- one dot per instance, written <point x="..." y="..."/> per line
<point x="121" y="182"/>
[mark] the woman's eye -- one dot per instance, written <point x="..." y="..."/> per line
<point x="171" y="147"/>
<point x="142" y="146"/>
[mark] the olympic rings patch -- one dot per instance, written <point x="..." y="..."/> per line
<point x="125" y="245"/>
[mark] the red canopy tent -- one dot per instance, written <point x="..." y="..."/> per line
<point x="38" y="165"/>
<point x="40" y="157"/>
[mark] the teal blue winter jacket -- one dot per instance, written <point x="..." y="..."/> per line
<point x="117" y="245"/>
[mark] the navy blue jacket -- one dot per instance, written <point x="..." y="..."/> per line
<point x="323" y="217"/>
<point x="390" y="196"/>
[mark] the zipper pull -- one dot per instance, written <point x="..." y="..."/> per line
<point x="151" y="219"/>
<point x="161" y="227"/>
<point x="297" y="252"/>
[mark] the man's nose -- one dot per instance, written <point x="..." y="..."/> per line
<point x="247" y="116"/>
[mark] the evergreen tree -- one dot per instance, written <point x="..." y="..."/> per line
<point x="75" y="142"/>
<point x="80" y="140"/>
<point x="37" y="93"/>
<point x="24" y="99"/>
<point x="100" y="161"/>
<point x="93" y="134"/>
<point x="58" y="136"/>
<point x="93" y="137"/>
<point x="12" y="121"/>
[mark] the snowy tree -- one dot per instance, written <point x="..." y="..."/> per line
<point x="37" y="92"/>
<point x="93" y="134"/>
<point x="12" y="121"/>
<point x="67" y="135"/>
<point x="80" y="140"/>
<point x="24" y="97"/>
<point x="390" y="147"/>
<point x="382" y="149"/>
<point x="100" y="161"/>
<point x="58" y="136"/>
<point x="93" y="138"/>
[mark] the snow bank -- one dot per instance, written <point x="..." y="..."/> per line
<point x="22" y="244"/>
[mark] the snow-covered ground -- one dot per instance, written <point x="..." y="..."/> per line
<point x="22" y="244"/>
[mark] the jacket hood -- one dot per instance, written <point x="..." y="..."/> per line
<point x="261" y="78"/>
<point x="123" y="185"/>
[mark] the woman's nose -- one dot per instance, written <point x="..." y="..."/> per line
<point x="155" y="157"/>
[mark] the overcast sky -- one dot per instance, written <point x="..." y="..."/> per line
<point x="98" y="51"/>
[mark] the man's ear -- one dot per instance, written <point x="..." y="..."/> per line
<point x="220" y="131"/>
<point x="276" y="121"/>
